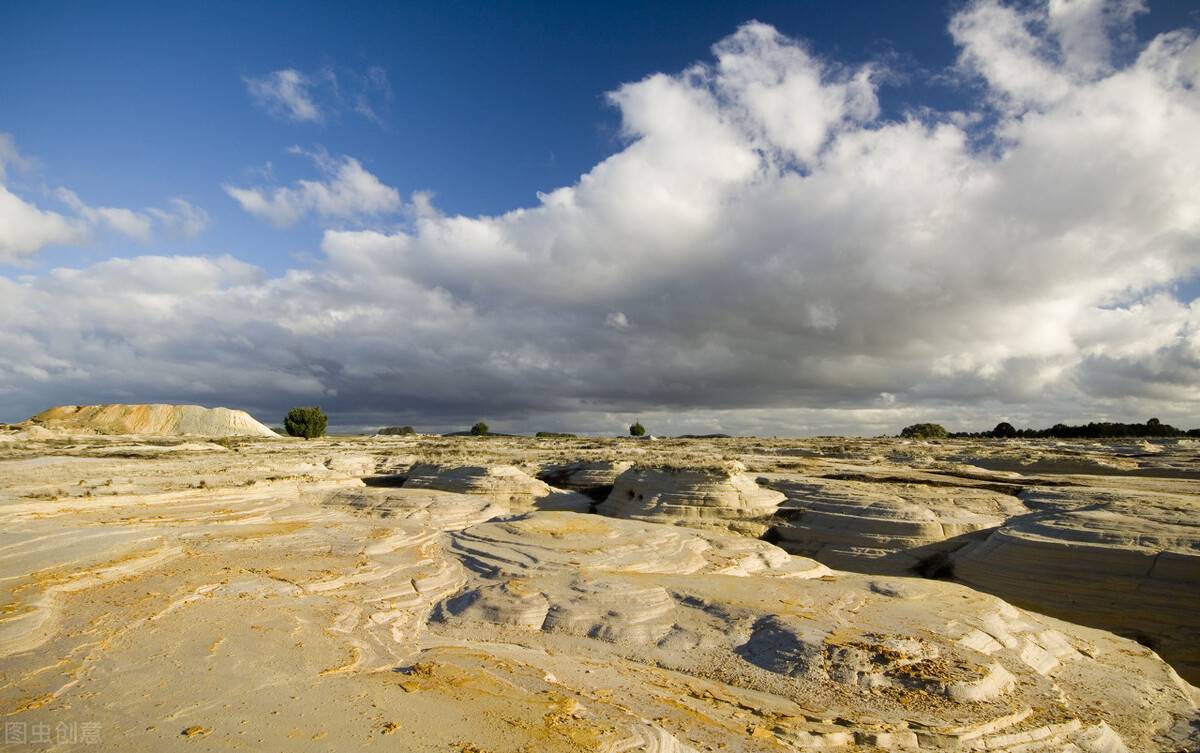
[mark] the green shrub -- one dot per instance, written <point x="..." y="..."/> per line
<point x="396" y="430"/>
<point x="1004" y="430"/>
<point x="480" y="429"/>
<point x="924" y="431"/>
<point x="307" y="422"/>
<point x="637" y="430"/>
<point x="554" y="435"/>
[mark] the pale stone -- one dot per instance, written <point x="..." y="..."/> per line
<point x="323" y="613"/>
<point x="1125" y="561"/>
<point x="154" y="420"/>
<point x="505" y="485"/>
<point x="721" y="496"/>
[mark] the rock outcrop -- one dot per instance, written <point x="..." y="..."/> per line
<point x="719" y="496"/>
<point x="445" y="511"/>
<point x="883" y="527"/>
<point x="506" y="485"/>
<point x="561" y="542"/>
<point x="1123" y="561"/>
<point x="592" y="478"/>
<point x="153" y="420"/>
<point x="897" y="655"/>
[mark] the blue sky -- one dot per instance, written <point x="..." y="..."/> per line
<point x="135" y="105"/>
<point x="490" y="102"/>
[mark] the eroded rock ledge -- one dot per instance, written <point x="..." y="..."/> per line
<point x="1117" y="560"/>
<point x="720" y="496"/>
<point x="506" y="485"/>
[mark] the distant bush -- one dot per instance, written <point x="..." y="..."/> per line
<point x="1004" y="430"/>
<point x="924" y="431"/>
<point x="307" y="422"/>
<point x="480" y="429"/>
<point x="395" y="430"/>
<point x="637" y="430"/>
<point x="554" y="435"/>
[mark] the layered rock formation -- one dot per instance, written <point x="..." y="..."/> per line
<point x="1158" y="457"/>
<point x="153" y="420"/>
<point x="897" y="655"/>
<point x="883" y="527"/>
<point x="505" y="485"/>
<point x="723" y="496"/>
<point x="325" y="614"/>
<point x="1124" y="561"/>
<point x="445" y="511"/>
<point x="594" y="479"/>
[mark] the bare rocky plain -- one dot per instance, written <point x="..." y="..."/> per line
<point x="183" y="589"/>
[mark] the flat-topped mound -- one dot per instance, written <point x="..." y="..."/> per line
<point x="154" y="419"/>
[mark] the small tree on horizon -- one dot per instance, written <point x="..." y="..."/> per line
<point x="480" y="429"/>
<point x="308" y="422"/>
<point x="924" y="431"/>
<point x="637" y="430"/>
<point x="1004" y="430"/>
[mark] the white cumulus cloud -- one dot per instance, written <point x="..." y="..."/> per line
<point x="347" y="191"/>
<point x="794" y="261"/>
<point x="26" y="228"/>
<point x="181" y="217"/>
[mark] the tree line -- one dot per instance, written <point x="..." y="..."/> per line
<point x="1090" y="430"/>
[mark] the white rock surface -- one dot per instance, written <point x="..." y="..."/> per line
<point x="717" y="496"/>
<point x="899" y="654"/>
<point x="505" y="485"/>
<point x="883" y="527"/>
<point x="1125" y="561"/>
<point x="445" y="511"/>
<point x="264" y="598"/>
<point x="592" y="478"/>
